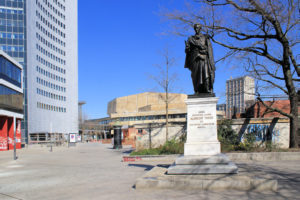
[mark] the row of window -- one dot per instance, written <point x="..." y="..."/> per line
<point x="50" y="45"/>
<point x="56" y="11"/>
<point x="11" y="11"/>
<point x="10" y="72"/>
<point x="50" y="95"/>
<point x="12" y="48"/>
<point x="49" y="35"/>
<point x="49" y="55"/>
<point x="18" y="56"/>
<point x="12" y="29"/>
<point x="138" y="118"/>
<point x="50" y="65"/>
<point x="45" y="21"/>
<point x="50" y="85"/>
<point x="58" y="3"/>
<point x="50" y="75"/>
<point x="14" y="4"/>
<point x="12" y="35"/>
<point x="9" y="22"/>
<point x="7" y="91"/>
<point x="18" y="0"/>
<point x="12" y="42"/>
<point x="50" y="107"/>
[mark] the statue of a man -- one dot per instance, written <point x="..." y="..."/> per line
<point x="199" y="59"/>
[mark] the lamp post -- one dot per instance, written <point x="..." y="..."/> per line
<point x="15" y="142"/>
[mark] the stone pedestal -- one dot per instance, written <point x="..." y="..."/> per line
<point x="202" y="138"/>
<point x="202" y="150"/>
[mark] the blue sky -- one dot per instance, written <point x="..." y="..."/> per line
<point x="119" y="44"/>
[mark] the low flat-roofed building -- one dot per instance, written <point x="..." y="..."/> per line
<point x="147" y="107"/>
<point x="139" y="109"/>
<point x="11" y="102"/>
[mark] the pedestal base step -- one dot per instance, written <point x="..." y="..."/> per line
<point x="215" y="164"/>
<point x="200" y="160"/>
<point x="229" y="168"/>
<point x="157" y="179"/>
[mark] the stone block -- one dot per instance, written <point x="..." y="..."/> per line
<point x="200" y="160"/>
<point x="202" y="148"/>
<point x="158" y="179"/>
<point x="229" y="168"/>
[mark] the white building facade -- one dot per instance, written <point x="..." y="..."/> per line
<point x="240" y="94"/>
<point x="42" y="35"/>
<point x="52" y="66"/>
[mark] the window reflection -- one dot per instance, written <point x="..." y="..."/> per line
<point x="11" y="99"/>
<point x="9" y="72"/>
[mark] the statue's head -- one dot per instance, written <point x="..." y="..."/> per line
<point x="197" y="28"/>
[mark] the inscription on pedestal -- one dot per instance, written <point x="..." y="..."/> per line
<point x="201" y="120"/>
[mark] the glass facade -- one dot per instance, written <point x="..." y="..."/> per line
<point x="11" y="99"/>
<point x="13" y="40"/>
<point x="9" y="72"/>
<point x="7" y="91"/>
<point x="139" y="118"/>
<point x="12" y="29"/>
<point x="50" y="69"/>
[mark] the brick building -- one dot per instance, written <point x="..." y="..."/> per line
<point x="258" y="110"/>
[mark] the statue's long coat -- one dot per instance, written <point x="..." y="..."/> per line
<point x="199" y="59"/>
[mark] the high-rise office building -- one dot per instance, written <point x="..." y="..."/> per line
<point x="42" y="36"/>
<point x="239" y="95"/>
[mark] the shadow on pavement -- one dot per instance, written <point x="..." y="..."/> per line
<point x="147" y="167"/>
<point x="128" y="151"/>
<point x="164" y="166"/>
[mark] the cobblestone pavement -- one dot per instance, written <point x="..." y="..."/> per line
<point x="95" y="171"/>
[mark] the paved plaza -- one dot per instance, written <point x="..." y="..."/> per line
<point x="95" y="171"/>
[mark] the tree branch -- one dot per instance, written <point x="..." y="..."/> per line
<point x="246" y="36"/>
<point x="241" y="8"/>
<point x="296" y="66"/>
<point x="250" y="49"/>
<point x="273" y="75"/>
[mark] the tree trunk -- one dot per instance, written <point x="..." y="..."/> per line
<point x="293" y="97"/>
<point x="294" y="122"/>
<point x="167" y="121"/>
<point x="150" y="137"/>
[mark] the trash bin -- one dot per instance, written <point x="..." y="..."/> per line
<point x="117" y="137"/>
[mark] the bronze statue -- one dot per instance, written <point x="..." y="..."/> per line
<point x="199" y="59"/>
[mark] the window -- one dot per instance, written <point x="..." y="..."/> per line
<point x="10" y="72"/>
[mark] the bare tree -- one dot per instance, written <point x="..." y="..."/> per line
<point x="165" y="81"/>
<point x="262" y="34"/>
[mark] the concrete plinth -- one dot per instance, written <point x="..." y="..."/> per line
<point x="202" y="150"/>
<point x="202" y="137"/>
<point x="229" y="168"/>
<point x="215" y="164"/>
<point x="200" y="160"/>
<point x="157" y="179"/>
